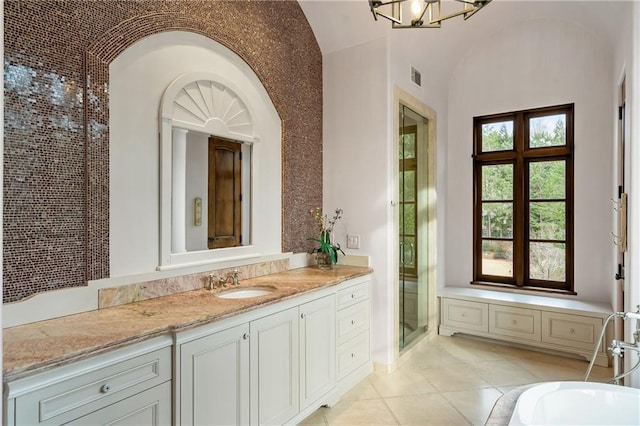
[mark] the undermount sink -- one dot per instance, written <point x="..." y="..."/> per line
<point x="245" y="292"/>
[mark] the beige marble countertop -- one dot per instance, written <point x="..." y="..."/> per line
<point x="42" y="345"/>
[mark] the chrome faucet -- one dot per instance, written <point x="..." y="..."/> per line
<point x="618" y="347"/>
<point x="233" y="276"/>
<point x="211" y="284"/>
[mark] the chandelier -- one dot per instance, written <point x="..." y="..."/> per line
<point x="424" y="13"/>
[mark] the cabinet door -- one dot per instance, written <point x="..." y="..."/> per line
<point x="274" y="368"/>
<point x="317" y="349"/>
<point x="149" y="408"/>
<point x="214" y="379"/>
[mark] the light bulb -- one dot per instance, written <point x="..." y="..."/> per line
<point x="415" y="9"/>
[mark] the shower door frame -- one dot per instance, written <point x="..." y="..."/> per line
<point x="427" y="261"/>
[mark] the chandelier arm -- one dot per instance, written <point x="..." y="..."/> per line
<point x="449" y="16"/>
<point x="375" y="4"/>
<point x="473" y="11"/>
<point x="391" y="18"/>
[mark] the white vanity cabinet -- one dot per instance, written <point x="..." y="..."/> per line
<point x="212" y="378"/>
<point x="317" y="349"/>
<point x="127" y="386"/>
<point x="273" y="365"/>
<point x="258" y="372"/>
<point x="274" y="368"/>
<point x="245" y="372"/>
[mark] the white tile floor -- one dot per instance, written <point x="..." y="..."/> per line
<point x="449" y="381"/>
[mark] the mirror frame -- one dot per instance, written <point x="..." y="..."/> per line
<point x="262" y="225"/>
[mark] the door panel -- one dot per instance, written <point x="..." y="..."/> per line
<point x="225" y="198"/>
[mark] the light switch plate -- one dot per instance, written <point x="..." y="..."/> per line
<point x="353" y="241"/>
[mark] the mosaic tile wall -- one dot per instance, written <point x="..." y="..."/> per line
<point x="56" y="170"/>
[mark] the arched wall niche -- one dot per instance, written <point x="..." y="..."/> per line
<point x="294" y="204"/>
<point x="182" y="94"/>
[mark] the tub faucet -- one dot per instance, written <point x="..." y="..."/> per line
<point x="618" y="347"/>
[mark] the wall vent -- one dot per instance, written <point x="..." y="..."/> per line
<point x="416" y="76"/>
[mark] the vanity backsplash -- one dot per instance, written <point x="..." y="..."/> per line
<point x="120" y="295"/>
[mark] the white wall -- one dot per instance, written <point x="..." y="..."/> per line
<point x="434" y="94"/>
<point x="356" y="151"/>
<point x="534" y="64"/>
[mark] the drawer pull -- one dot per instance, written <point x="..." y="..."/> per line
<point x="353" y="296"/>
<point x="514" y="322"/>
<point x="571" y="331"/>
<point x="105" y="388"/>
<point x="353" y="355"/>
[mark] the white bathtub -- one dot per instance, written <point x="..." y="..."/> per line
<point x="577" y="403"/>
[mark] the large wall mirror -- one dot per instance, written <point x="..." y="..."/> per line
<point x="211" y="191"/>
<point x="196" y="166"/>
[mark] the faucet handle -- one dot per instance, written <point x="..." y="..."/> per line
<point x="235" y="276"/>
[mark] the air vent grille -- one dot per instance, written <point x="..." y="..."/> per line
<point x="416" y="76"/>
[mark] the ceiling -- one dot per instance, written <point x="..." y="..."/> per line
<point x="339" y="24"/>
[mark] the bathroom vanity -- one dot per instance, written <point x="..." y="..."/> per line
<point x="271" y="359"/>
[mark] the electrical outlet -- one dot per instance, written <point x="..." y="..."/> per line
<point x="353" y="241"/>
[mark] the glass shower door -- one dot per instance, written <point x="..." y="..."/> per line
<point x="411" y="228"/>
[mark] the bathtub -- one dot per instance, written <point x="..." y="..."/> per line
<point x="577" y="403"/>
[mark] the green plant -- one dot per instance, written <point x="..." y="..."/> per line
<point x="325" y="227"/>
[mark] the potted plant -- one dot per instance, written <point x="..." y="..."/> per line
<point x="327" y="253"/>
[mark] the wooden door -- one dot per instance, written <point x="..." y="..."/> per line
<point x="225" y="196"/>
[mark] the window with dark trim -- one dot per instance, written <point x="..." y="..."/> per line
<point x="523" y="199"/>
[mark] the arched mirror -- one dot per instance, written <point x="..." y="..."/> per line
<point x="207" y="149"/>
<point x="211" y="154"/>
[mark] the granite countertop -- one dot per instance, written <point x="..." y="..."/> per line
<point x="42" y="345"/>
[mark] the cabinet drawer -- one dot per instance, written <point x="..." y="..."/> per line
<point x="352" y="321"/>
<point x="73" y="395"/>
<point x="571" y="330"/>
<point x="514" y="322"/>
<point x="353" y="354"/>
<point x="353" y="294"/>
<point x="149" y="408"/>
<point x="465" y="315"/>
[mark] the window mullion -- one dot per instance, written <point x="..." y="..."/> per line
<point x="520" y="222"/>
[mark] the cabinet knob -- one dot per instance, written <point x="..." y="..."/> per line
<point x="353" y="322"/>
<point x="105" y="388"/>
<point x="246" y="336"/>
<point x="353" y="296"/>
<point x="514" y="322"/>
<point x="571" y="331"/>
<point x="303" y="316"/>
<point x="353" y="355"/>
